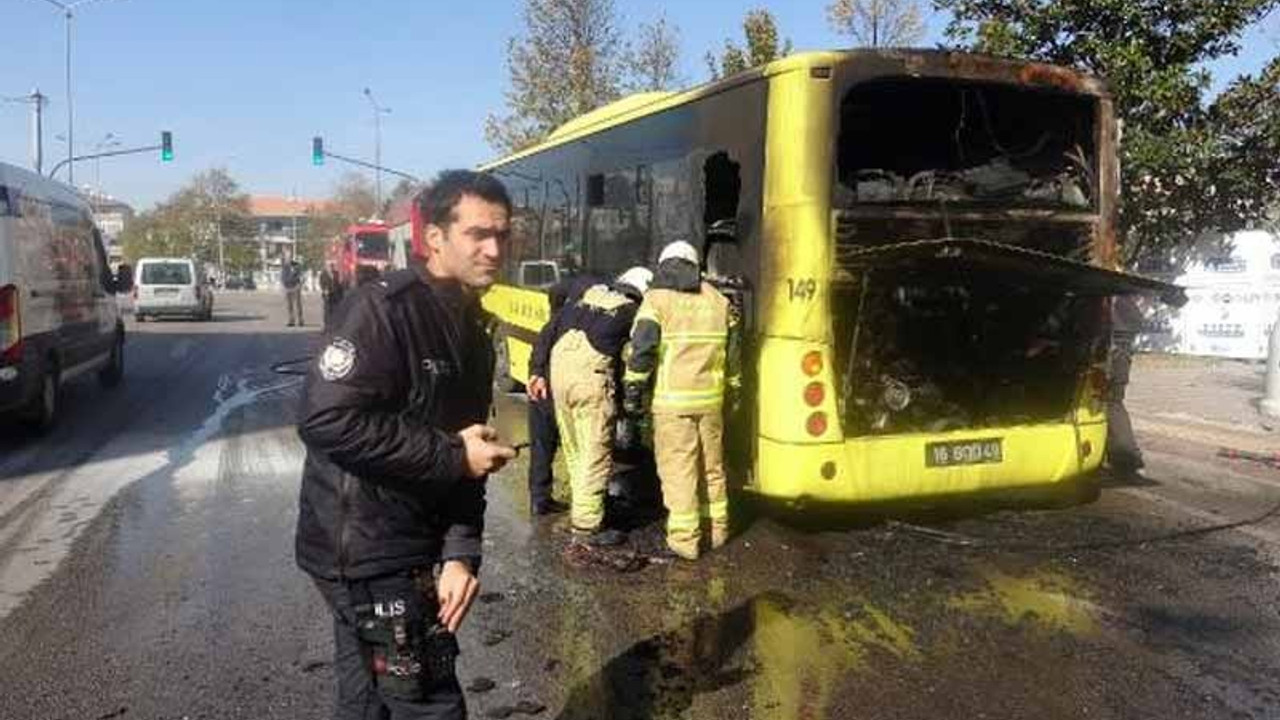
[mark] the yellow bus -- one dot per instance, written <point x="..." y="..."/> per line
<point x="920" y="243"/>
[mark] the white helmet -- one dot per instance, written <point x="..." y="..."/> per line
<point x="679" y="249"/>
<point x="637" y="277"/>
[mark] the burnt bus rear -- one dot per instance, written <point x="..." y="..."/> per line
<point x="969" y="256"/>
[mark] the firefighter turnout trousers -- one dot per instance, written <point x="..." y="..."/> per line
<point x="689" y="447"/>
<point x="583" y="387"/>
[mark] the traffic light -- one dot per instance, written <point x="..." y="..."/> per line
<point x="166" y="146"/>
<point x="317" y="150"/>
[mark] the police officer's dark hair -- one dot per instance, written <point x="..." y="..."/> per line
<point x="439" y="201"/>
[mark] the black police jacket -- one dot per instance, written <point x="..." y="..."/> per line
<point x="407" y="363"/>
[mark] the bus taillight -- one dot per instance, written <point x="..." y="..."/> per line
<point x="812" y="363"/>
<point x="814" y="394"/>
<point x="816" y="424"/>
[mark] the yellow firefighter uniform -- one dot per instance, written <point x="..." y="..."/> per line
<point x="585" y="370"/>
<point x="679" y="342"/>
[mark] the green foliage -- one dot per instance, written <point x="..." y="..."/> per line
<point x="1192" y="167"/>
<point x="567" y="62"/>
<point x="651" y="62"/>
<point x="760" y="30"/>
<point x="190" y="221"/>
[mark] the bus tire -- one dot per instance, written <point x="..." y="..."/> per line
<point x="502" y="380"/>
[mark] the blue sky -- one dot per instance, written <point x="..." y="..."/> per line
<point x="245" y="83"/>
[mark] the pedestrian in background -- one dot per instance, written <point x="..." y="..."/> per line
<point x="544" y="435"/>
<point x="331" y="291"/>
<point x="291" y="281"/>
<point x="1124" y="457"/>
<point x="391" y="512"/>
<point x="681" y="343"/>
<point x="587" y="338"/>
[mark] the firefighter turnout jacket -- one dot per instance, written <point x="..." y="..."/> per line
<point x="681" y="341"/>
<point x="406" y="366"/>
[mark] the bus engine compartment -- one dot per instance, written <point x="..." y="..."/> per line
<point x="934" y="346"/>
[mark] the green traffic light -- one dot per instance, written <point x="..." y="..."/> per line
<point x="166" y="146"/>
<point x="317" y="150"/>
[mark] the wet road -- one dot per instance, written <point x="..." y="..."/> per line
<point x="146" y="572"/>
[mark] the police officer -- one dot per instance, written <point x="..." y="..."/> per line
<point x="392" y="503"/>
<point x="544" y="436"/>
<point x="681" y="336"/>
<point x="1123" y="454"/>
<point x="587" y="338"/>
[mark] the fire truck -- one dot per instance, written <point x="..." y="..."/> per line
<point x="361" y="253"/>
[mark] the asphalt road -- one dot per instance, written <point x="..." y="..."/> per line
<point x="146" y="571"/>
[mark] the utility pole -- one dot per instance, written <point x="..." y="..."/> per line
<point x="378" y="112"/>
<point x="66" y="8"/>
<point x="36" y="101"/>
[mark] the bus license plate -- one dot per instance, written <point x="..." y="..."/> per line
<point x="964" y="452"/>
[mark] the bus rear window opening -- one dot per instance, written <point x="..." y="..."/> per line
<point x="930" y="141"/>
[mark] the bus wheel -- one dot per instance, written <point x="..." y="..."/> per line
<point x="502" y="380"/>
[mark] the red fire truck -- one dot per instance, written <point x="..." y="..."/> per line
<point x="361" y="253"/>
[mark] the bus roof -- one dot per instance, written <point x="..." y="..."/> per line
<point x="907" y="62"/>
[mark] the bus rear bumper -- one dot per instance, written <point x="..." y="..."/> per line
<point x="888" y="469"/>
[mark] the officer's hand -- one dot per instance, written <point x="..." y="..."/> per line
<point x="484" y="453"/>
<point x="456" y="590"/>
<point x="537" y="388"/>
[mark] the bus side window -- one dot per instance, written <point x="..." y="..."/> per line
<point x="618" y="225"/>
<point x="558" y="242"/>
<point x="526" y="222"/>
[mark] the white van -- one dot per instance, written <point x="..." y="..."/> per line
<point x="58" y="313"/>
<point x="171" y="286"/>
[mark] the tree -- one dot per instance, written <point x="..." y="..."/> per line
<point x="1192" y="167"/>
<point x="567" y="63"/>
<point x="762" y="46"/>
<point x="353" y="198"/>
<point x="653" y="59"/>
<point x="191" y="220"/>
<point x="877" y="23"/>
<point x="403" y="190"/>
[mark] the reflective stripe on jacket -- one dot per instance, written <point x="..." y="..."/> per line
<point x="691" y="331"/>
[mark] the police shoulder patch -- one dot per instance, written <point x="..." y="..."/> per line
<point x="338" y="359"/>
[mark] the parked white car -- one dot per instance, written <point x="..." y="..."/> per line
<point x="167" y="287"/>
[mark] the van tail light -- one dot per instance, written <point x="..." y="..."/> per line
<point x="10" y="326"/>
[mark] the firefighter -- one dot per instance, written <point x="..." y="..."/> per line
<point x="544" y="436"/>
<point x="681" y="337"/>
<point x="586" y="367"/>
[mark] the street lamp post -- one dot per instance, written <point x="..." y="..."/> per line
<point x="378" y="112"/>
<point x="109" y="140"/>
<point x="67" y="9"/>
